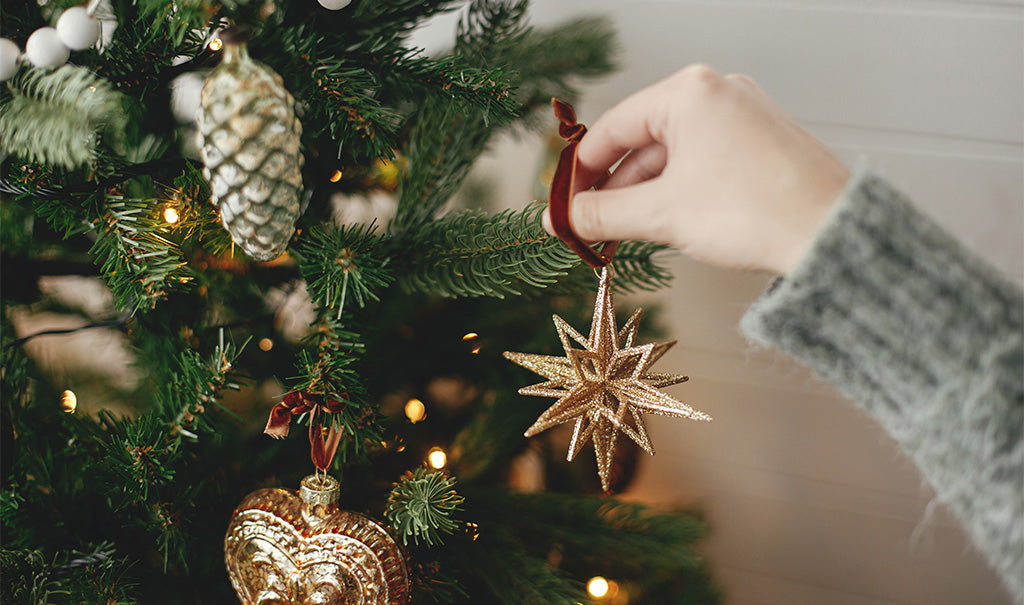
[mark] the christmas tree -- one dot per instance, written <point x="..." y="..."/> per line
<point x="240" y="283"/>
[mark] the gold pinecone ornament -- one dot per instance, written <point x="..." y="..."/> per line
<point x="249" y="143"/>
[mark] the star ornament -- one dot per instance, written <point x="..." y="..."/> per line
<point x="603" y="384"/>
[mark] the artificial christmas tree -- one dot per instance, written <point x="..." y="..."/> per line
<point x="397" y="350"/>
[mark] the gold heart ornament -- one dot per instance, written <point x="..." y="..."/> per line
<point x="284" y="547"/>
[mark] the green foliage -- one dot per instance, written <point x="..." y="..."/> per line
<point x="473" y="254"/>
<point x="422" y="505"/>
<point x="337" y="261"/>
<point x="329" y="366"/>
<point x="588" y="536"/>
<point x="136" y="259"/>
<point x="93" y="576"/>
<point x="338" y="92"/>
<point x="160" y="480"/>
<point x="581" y="48"/>
<point x="59" y="117"/>
<point x="177" y="20"/>
<point x="636" y="267"/>
<point x="445" y="139"/>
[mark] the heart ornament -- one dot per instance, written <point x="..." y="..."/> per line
<point x="284" y="547"/>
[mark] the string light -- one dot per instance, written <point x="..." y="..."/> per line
<point x="437" y="458"/>
<point x="336" y="176"/>
<point x="171" y="215"/>
<point x="216" y="44"/>
<point x="597" y="587"/>
<point x="471" y="337"/>
<point x="415" y="411"/>
<point x="266" y="344"/>
<point x="68" y="401"/>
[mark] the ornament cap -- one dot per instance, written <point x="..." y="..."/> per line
<point x="319" y="490"/>
<point x="238" y="34"/>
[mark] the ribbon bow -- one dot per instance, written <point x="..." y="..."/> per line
<point x="321" y="448"/>
<point x="563" y="185"/>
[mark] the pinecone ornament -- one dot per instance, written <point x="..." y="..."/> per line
<point x="249" y="143"/>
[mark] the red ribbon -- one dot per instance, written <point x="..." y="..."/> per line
<point x="563" y="184"/>
<point x="321" y="449"/>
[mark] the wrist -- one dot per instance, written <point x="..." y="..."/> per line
<point x="821" y="199"/>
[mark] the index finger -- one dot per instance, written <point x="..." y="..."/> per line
<point x="622" y="128"/>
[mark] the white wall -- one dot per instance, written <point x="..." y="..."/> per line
<point x="809" y="501"/>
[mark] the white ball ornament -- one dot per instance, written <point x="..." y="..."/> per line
<point x="9" y="52"/>
<point x="334" y="4"/>
<point x="44" y="48"/>
<point x="77" y="29"/>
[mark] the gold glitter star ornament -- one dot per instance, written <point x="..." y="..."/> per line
<point x="603" y="383"/>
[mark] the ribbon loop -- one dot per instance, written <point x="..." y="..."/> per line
<point x="322" y="448"/>
<point x="563" y="185"/>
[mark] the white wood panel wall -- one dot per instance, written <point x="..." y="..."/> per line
<point x="809" y="501"/>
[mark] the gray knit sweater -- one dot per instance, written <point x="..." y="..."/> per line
<point x="927" y="338"/>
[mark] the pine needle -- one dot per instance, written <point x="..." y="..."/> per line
<point x="59" y="117"/>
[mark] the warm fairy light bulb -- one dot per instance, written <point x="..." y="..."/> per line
<point x="597" y="587"/>
<point x="216" y="44"/>
<point x="68" y="401"/>
<point x="171" y="215"/>
<point x="336" y="176"/>
<point x="471" y="337"/>
<point x="415" y="411"/>
<point x="266" y="344"/>
<point x="437" y="458"/>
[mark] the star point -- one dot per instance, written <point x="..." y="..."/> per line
<point x="604" y="385"/>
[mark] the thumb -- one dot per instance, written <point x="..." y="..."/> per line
<point x="615" y="214"/>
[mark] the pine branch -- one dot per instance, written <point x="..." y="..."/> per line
<point x="445" y="140"/>
<point x="637" y="266"/>
<point x="408" y="73"/>
<point x="443" y="144"/>
<point x="92" y="576"/>
<point x="195" y="385"/>
<point x="338" y="92"/>
<point x="59" y="117"/>
<point x="588" y="536"/>
<point x="329" y="367"/>
<point x="179" y="20"/>
<point x="551" y="61"/>
<point x="372" y="20"/>
<point x="472" y="254"/>
<point x="497" y="568"/>
<point x="145" y="456"/>
<point x="339" y="261"/>
<point x="139" y="264"/>
<point x="489" y="28"/>
<point x="421" y="506"/>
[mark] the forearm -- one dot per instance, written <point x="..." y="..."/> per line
<point x="928" y="339"/>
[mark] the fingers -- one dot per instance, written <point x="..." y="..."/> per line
<point x="639" y="166"/>
<point x="622" y="128"/>
<point x="646" y="117"/>
<point x="616" y="214"/>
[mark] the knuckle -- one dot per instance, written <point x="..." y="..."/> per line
<point x="742" y="79"/>
<point x="700" y="76"/>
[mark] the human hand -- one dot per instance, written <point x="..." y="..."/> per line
<point x="714" y="168"/>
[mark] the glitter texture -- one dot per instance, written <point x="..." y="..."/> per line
<point x="605" y="386"/>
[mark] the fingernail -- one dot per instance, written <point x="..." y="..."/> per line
<point x="545" y="220"/>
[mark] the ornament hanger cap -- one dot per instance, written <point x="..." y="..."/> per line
<point x="319" y="490"/>
<point x="236" y="34"/>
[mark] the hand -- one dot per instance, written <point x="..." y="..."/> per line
<point x="713" y="167"/>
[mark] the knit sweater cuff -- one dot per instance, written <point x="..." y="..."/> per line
<point x="926" y="337"/>
<point x="885" y="297"/>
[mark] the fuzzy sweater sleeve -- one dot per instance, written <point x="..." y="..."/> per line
<point x="927" y="338"/>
